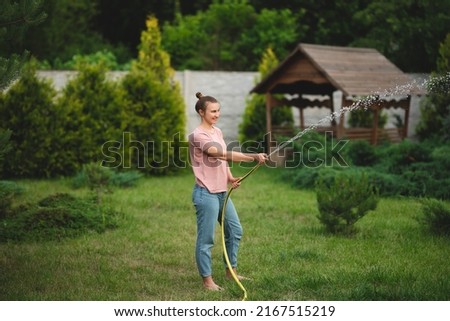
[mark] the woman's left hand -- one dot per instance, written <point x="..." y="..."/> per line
<point x="235" y="182"/>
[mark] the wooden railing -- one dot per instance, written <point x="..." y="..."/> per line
<point x="390" y="134"/>
<point x="291" y="131"/>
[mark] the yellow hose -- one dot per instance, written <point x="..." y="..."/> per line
<point x="230" y="268"/>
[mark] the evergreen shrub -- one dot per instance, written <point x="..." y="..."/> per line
<point x="436" y="216"/>
<point x="93" y="116"/>
<point x="361" y="153"/>
<point x="343" y="202"/>
<point x="28" y="110"/>
<point x="56" y="217"/>
<point x="92" y="175"/>
<point x="387" y="184"/>
<point x="307" y="177"/>
<point x="418" y="169"/>
<point x="5" y="144"/>
<point x="404" y="154"/>
<point x="8" y="190"/>
<point x="154" y="118"/>
<point x="127" y="178"/>
<point x="363" y="118"/>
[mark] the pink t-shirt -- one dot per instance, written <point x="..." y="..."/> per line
<point x="209" y="172"/>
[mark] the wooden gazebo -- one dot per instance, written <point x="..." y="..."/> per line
<point x="322" y="70"/>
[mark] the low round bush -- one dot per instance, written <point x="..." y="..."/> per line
<point x="436" y="216"/>
<point x="56" y="217"/>
<point x="361" y="153"/>
<point x="343" y="202"/>
<point x="8" y="190"/>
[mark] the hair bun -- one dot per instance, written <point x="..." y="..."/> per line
<point x="199" y="95"/>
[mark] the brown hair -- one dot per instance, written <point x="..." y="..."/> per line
<point x="203" y="101"/>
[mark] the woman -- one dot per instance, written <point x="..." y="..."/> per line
<point x="209" y="158"/>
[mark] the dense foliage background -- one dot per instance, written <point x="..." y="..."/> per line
<point x="46" y="134"/>
<point x="230" y="34"/>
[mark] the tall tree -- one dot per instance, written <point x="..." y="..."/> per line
<point x="155" y="111"/>
<point x="121" y="22"/>
<point x="435" y="108"/>
<point x="15" y="18"/>
<point x="27" y="109"/>
<point x="93" y="113"/>
<point x="68" y="31"/>
<point x="230" y="35"/>
<point x="407" y="32"/>
<point x="326" y="22"/>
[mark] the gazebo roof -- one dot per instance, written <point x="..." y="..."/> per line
<point x="318" y="69"/>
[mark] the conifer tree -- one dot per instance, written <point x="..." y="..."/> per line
<point x="434" y="122"/>
<point x="5" y="144"/>
<point x="93" y="106"/>
<point x="155" y="110"/>
<point x="15" y="17"/>
<point x="27" y="109"/>
<point x="253" y="127"/>
<point x="152" y="58"/>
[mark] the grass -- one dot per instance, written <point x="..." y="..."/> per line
<point x="284" y="250"/>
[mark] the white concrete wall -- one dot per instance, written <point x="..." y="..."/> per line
<point x="231" y="89"/>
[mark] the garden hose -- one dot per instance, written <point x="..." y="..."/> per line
<point x="225" y="253"/>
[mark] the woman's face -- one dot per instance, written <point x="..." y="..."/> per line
<point x="212" y="113"/>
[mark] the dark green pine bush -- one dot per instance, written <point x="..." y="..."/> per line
<point x="28" y="110"/>
<point x="361" y="153"/>
<point x="8" y="190"/>
<point x="436" y="216"/>
<point x="94" y="175"/>
<point x="154" y="113"/>
<point x="93" y="114"/>
<point x="344" y="201"/>
<point x="56" y="217"/>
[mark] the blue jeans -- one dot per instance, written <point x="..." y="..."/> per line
<point x="209" y="211"/>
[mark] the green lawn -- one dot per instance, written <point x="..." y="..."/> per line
<point x="284" y="250"/>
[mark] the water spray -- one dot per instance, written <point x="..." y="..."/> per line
<point x="364" y="103"/>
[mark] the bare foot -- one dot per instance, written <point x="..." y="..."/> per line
<point x="209" y="284"/>
<point x="240" y="277"/>
<point x="213" y="287"/>
<point x="229" y="276"/>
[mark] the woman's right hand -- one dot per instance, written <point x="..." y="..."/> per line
<point x="261" y="158"/>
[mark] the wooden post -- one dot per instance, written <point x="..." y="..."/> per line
<point x="269" y="121"/>
<point x="405" y="125"/>
<point x="302" y="119"/>
<point x="374" y="137"/>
